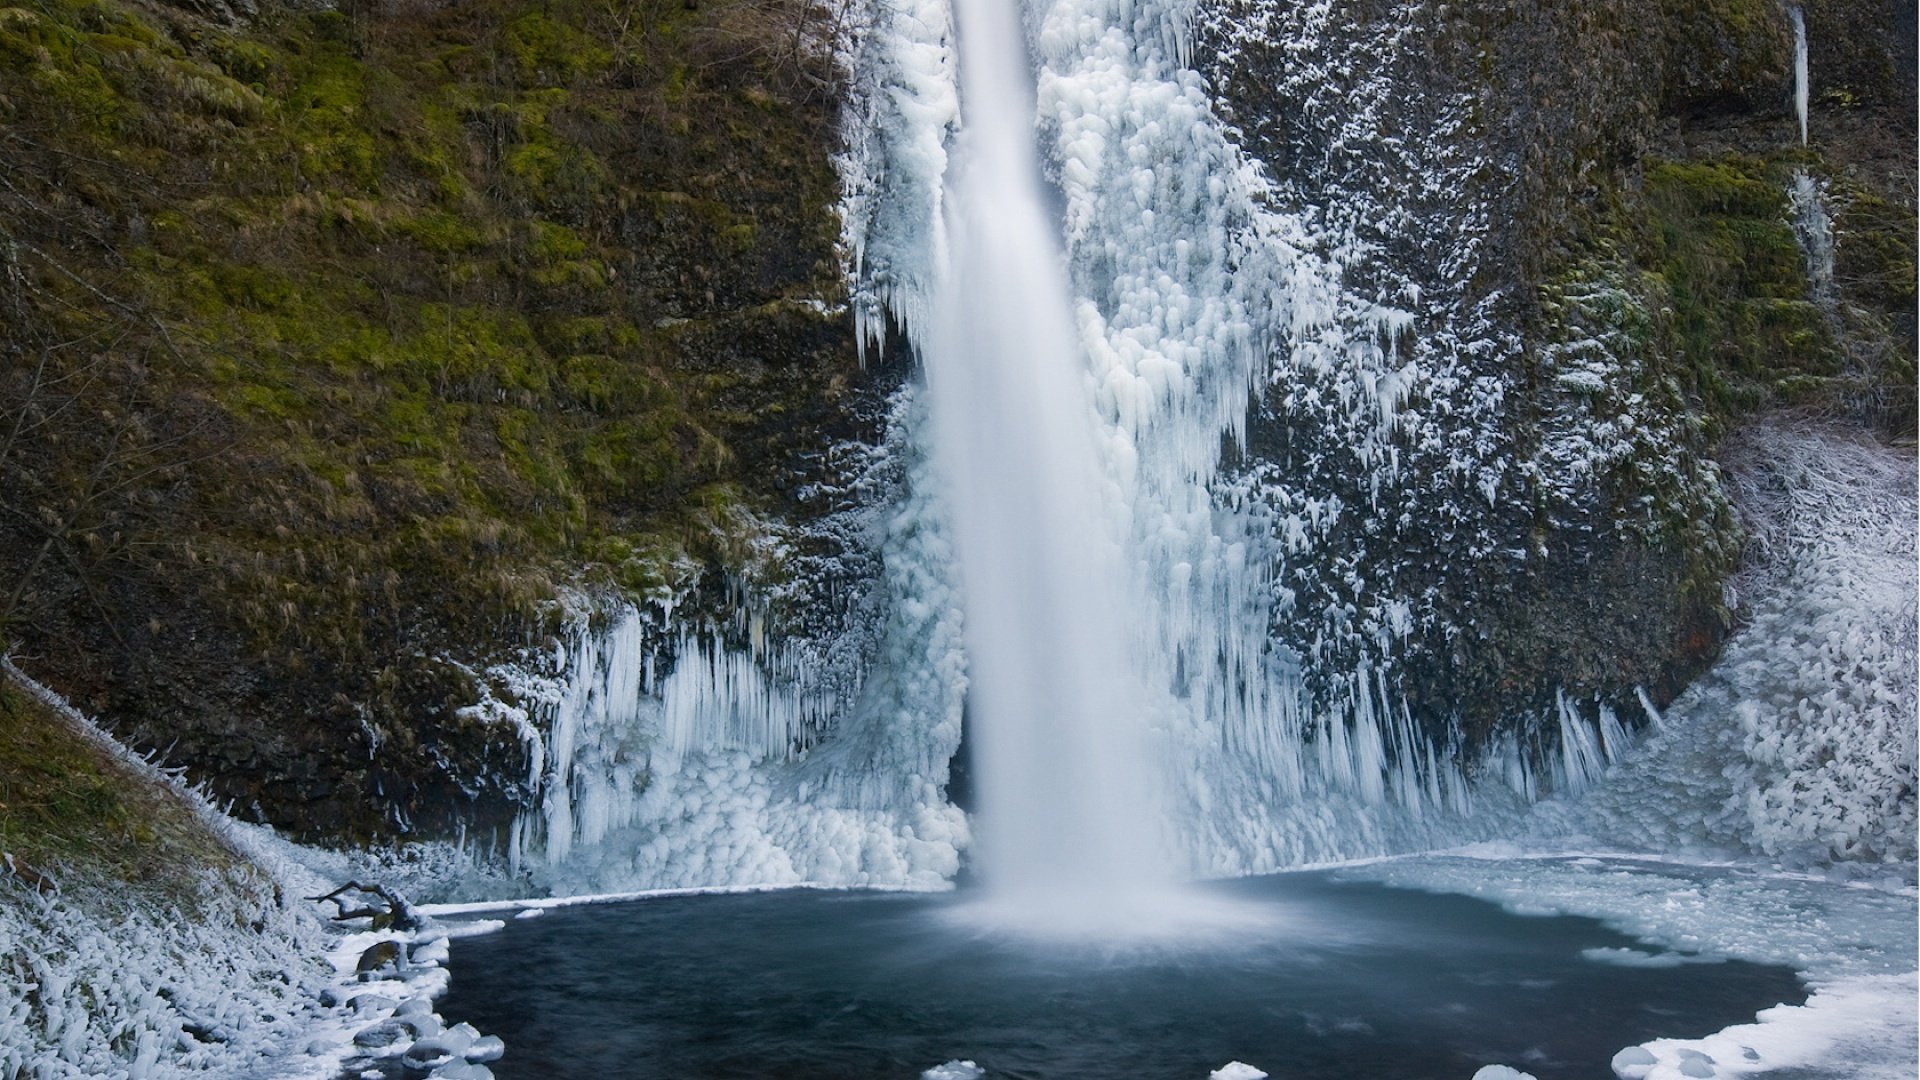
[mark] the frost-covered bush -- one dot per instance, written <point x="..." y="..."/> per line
<point x="1827" y="666"/>
<point x="96" y="988"/>
<point x="1800" y="743"/>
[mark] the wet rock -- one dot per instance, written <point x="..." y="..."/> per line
<point x="427" y="1055"/>
<point x="382" y="1035"/>
<point x="380" y="958"/>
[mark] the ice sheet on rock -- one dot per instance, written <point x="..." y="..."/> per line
<point x="954" y="1070"/>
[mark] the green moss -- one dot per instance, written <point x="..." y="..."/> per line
<point x="1722" y="260"/>
<point x="405" y="291"/>
<point x="546" y="53"/>
<point x="72" y="812"/>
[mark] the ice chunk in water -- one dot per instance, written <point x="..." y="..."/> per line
<point x="1633" y="1063"/>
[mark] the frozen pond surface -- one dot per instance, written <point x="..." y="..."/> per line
<point x="1304" y="975"/>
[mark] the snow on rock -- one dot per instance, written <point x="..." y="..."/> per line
<point x="1857" y="1029"/>
<point x="1799" y="745"/>
<point x="1633" y="1063"/>
<point x="954" y="1070"/>
<point x="1236" y="1070"/>
<point x="1501" y="1072"/>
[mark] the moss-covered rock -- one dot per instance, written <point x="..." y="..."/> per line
<point x="342" y="339"/>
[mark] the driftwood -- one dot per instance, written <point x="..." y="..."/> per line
<point x="39" y="882"/>
<point x="396" y="914"/>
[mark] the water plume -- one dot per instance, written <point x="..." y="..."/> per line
<point x="1064" y="820"/>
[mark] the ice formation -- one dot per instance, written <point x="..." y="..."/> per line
<point x="1813" y="227"/>
<point x="1800" y="81"/>
<point x="668" y="751"/>
<point x="1799" y="745"/>
<point x="1186" y="289"/>
<point x="672" y="752"/>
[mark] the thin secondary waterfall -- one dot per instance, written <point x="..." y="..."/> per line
<point x="1063" y="787"/>
<point x="1800" y="69"/>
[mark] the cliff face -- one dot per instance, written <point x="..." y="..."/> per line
<point x="1585" y="211"/>
<point x="337" y="342"/>
<point x="340" y="344"/>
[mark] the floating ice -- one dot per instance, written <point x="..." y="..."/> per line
<point x="1638" y="959"/>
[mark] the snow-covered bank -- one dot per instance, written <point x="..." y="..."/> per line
<point x="153" y="993"/>
<point x="219" y="974"/>
<point x="233" y="971"/>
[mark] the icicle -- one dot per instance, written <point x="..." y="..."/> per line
<point x="1800" y="81"/>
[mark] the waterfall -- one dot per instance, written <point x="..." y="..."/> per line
<point x="1188" y="289"/>
<point x="1800" y="69"/>
<point x="1057" y="717"/>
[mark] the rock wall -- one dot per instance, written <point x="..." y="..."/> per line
<point x="1583" y="212"/>
<point x="342" y="343"/>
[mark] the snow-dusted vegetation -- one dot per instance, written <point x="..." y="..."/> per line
<point x="1799" y="745"/>
<point x="200" y="959"/>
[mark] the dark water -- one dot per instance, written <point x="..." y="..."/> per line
<point x="1355" y="981"/>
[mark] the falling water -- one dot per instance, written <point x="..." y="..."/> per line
<point x="1063" y="790"/>
<point x="1800" y="70"/>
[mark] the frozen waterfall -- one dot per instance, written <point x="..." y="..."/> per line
<point x="1800" y="89"/>
<point x="1098" y="284"/>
